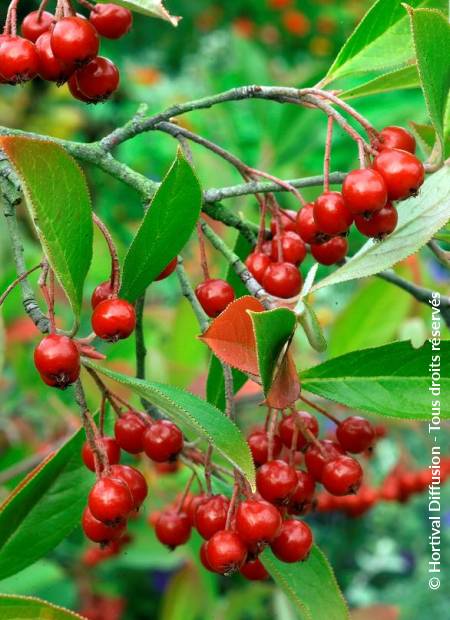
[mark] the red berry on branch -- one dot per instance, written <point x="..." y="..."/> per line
<point x="101" y="292"/>
<point x="331" y="214"/>
<point x="364" y="191"/>
<point x="253" y="570"/>
<point x="329" y="252"/>
<point x="355" y="434"/>
<point x="110" y="20"/>
<point x="276" y="481"/>
<point x="282" y="280"/>
<point x="129" y="432"/>
<point x="50" y="68"/>
<point x="75" y="91"/>
<point x="163" y="441"/>
<point x="204" y="557"/>
<point x="305" y="225"/>
<point x="225" y="552"/>
<point x="394" y="137"/>
<point x="402" y="172"/>
<point x="378" y="224"/>
<point x="111" y="448"/>
<point x="34" y="25"/>
<point x="287" y="221"/>
<point x="169" y="269"/>
<point x="304" y="492"/>
<point x="258" y="442"/>
<point x="294" y="542"/>
<point x="19" y="60"/>
<point x="211" y="515"/>
<point x="97" y="80"/>
<point x="214" y="296"/>
<point x="195" y="502"/>
<point x="257" y="263"/>
<point x="292" y="247"/>
<point x="114" y="319"/>
<point x="320" y="453"/>
<point x="287" y="427"/>
<point x="173" y="528"/>
<point x="342" y="476"/>
<point x="134" y="480"/>
<point x="74" y="40"/>
<point x="99" y="532"/>
<point x="110" y="500"/>
<point x="257" y="522"/>
<point x="57" y="359"/>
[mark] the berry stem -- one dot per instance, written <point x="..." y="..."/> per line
<point x="284" y="184"/>
<point x="11" y="19"/>
<point x="101" y="422"/>
<point x="92" y="433"/>
<point x="208" y="469"/>
<point x="362" y="155"/>
<point x="293" y="447"/>
<point x="327" y="157"/>
<point x="310" y="437"/>
<point x="104" y="391"/>
<point x="87" y="5"/>
<point x="262" y="223"/>
<point x="48" y="295"/>
<point x="185" y="492"/>
<point x="115" y="265"/>
<point x="41" y="9"/>
<point x="19" y="279"/>
<point x="273" y="416"/>
<point x="203" y="258"/>
<point x="232" y="506"/>
<point x="319" y="409"/>
<point x="229" y="391"/>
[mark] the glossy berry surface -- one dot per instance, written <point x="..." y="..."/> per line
<point x="355" y="434"/>
<point x="364" y="191"/>
<point x="113" y="319"/>
<point x="304" y="492"/>
<point x="134" y="480"/>
<point x="276" y="481"/>
<point x="378" y="224"/>
<point x="163" y="441"/>
<point x="100" y="532"/>
<point x="101" y="292"/>
<point x="257" y="522"/>
<point x="173" y="528"/>
<point x="258" y="442"/>
<point x="282" y="280"/>
<point x="110" y="20"/>
<point x="394" y="137"/>
<point x="257" y="263"/>
<point x="293" y="249"/>
<point x="129" y="431"/>
<point x="225" y="552"/>
<point x="342" y="476"/>
<point x="74" y="40"/>
<point x="331" y="214"/>
<point x="402" y="172"/>
<point x="111" y="448"/>
<point x="329" y="252"/>
<point x="75" y="90"/>
<point x="34" y="25"/>
<point x="19" y="60"/>
<point x="214" y="296"/>
<point x="98" y="79"/>
<point x="57" y="359"/>
<point x="254" y="570"/>
<point x="318" y="454"/>
<point x="288" y="424"/>
<point x="211" y="516"/>
<point x="169" y="269"/>
<point x="110" y="500"/>
<point x="305" y="224"/>
<point x="287" y="221"/>
<point x="294" y="542"/>
<point x="50" y="68"/>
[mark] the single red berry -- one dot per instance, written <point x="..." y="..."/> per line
<point x="101" y="292"/>
<point x="173" y="528"/>
<point x="292" y="246"/>
<point x="98" y="79"/>
<point x="75" y="91"/>
<point x="163" y="441"/>
<point x="253" y="570"/>
<point x="34" y="25"/>
<point x="287" y="221"/>
<point x="258" y="442"/>
<point x="195" y="502"/>
<point x="294" y="542"/>
<point x="214" y="296"/>
<point x="50" y="68"/>
<point x="288" y="424"/>
<point x="99" y="532"/>
<point x="331" y="214"/>
<point x="134" y="480"/>
<point x="364" y="191"/>
<point x="111" y="448"/>
<point x="211" y="515"/>
<point x="331" y="251"/>
<point x="394" y="137"/>
<point x="282" y="280"/>
<point x="304" y="492"/>
<point x="257" y="522"/>
<point x="380" y="223"/>
<point x="305" y="225"/>
<point x="225" y="552"/>
<point x="110" y="20"/>
<point x="257" y="263"/>
<point x="355" y="434"/>
<point x="402" y="172"/>
<point x="318" y="454"/>
<point x="113" y="319"/>
<point x="169" y="269"/>
<point x="342" y="475"/>
<point x="19" y="60"/>
<point x="129" y="432"/>
<point x="276" y="481"/>
<point x="204" y="557"/>
<point x="74" y="40"/>
<point x="110" y="500"/>
<point x="57" y="359"/>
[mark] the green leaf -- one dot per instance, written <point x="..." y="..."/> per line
<point x="165" y="229"/>
<point x="431" y="36"/>
<point x="312" y="328"/>
<point x="31" y="608"/>
<point x="153" y="8"/>
<point x="425" y="136"/>
<point x="311" y="586"/>
<point x="58" y="199"/>
<point x="273" y="330"/>
<point x="178" y="602"/>
<point x="49" y="501"/>
<point x="392" y="380"/>
<point x="199" y="416"/>
<point x="419" y="218"/>
<point x="400" y="79"/>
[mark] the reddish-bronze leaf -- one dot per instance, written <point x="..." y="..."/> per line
<point x="285" y="388"/>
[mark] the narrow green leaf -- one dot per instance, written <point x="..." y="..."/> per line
<point x="153" y="8"/>
<point x="312" y="328"/>
<point x="393" y="380"/>
<point x="419" y="218"/>
<point x="425" y="136"/>
<point x="165" y="229"/>
<point x="31" y="608"/>
<point x="58" y="199"/>
<point x="199" y="416"/>
<point x="400" y="79"/>
<point x="310" y="585"/>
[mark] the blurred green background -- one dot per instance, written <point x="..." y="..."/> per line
<point x="378" y="559"/>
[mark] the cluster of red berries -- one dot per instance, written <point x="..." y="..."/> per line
<point x="66" y="50"/>
<point x="367" y="199"/>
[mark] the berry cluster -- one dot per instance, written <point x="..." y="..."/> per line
<point x="64" y="48"/>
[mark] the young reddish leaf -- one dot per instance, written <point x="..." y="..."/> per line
<point x="285" y="388"/>
<point x="231" y="337"/>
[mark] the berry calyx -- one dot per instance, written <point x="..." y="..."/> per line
<point x="110" y="446"/>
<point x="329" y="252"/>
<point x="287" y="221"/>
<point x="342" y="475"/>
<point x="276" y="481"/>
<point x="282" y="280"/>
<point x="57" y="359"/>
<point x="97" y="80"/>
<point x="320" y="453"/>
<point x="292" y="247"/>
<point x="225" y="552"/>
<point x="257" y="522"/>
<point x="135" y="482"/>
<point x="253" y="570"/>
<point x="34" y="25"/>
<point x="211" y="516"/>
<point x="110" y="500"/>
<point x="288" y="424"/>
<point x="170" y="268"/>
<point x="19" y="60"/>
<point x="214" y="296"/>
<point x="294" y="541"/>
<point x="173" y="528"/>
<point x="114" y="319"/>
<point x="101" y="292"/>
<point x="331" y="214"/>
<point x="402" y="172"/>
<point x="74" y="40"/>
<point x="100" y="532"/>
<point x="364" y="191"/>
<point x="258" y="442"/>
<point x="379" y="224"/>
<point x="305" y="224"/>
<point x="50" y="68"/>
<point x="257" y="263"/>
<point x="129" y="432"/>
<point x="355" y="434"/>
<point x="163" y="441"/>
<point x="394" y="137"/>
<point x="110" y="20"/>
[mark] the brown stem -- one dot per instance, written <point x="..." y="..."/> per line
<point x="232" y="505"/>
<point x="41" y="9"/>
<point x="115" y="265"/>
<point x="92" y="433"/>
<point x="327" y="157"/>
<point x="185" y="492"/>
<point x="48" y="295"/>
<point x="203" y="258"/>
<point x="101" y="422"/>
<point x="208" y="469"/>
<point x="17" y="281"/>
<point x="320" y="409"/>
<point x="271" y="432"/>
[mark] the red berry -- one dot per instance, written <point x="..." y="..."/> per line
<point x="129" y="431"/>
<point x="75" y="91"/>
<point x="276" y="481"/>
<point x="253" y="570"/>
<point x="110" y="20"/>
<point x="318" y="454"/>
<point x="214" y="296"/>
<point x="111" y="448"/>
<point x="364" y="191"/>
<point x="394" y="137"/>
<point x="170" y="268"/>
<point x="57" y="359"/>
<point x="163" y="441"/>
<point x="342" y="476"/>
<point x="97" y="80"/>
<point x="99" y="532"/>
<point x="305" y="225"/>
<point x="110" y="500"/>
<point x="257" y="263"/>
<point x="134" y="480"/>
<point x="211" y="516"/>
<point x="331" y="214"/>
<point x="287" y="427"/>
<point x="355" y="434"/>
<point x="331" y="251"/>
<point x="378" y="224"/>
<point x="287" y="221"/>
<point x="294" y="542"/>
<point x="19" y="60"/>
<point x="257" y="522"/>
<point x="402" y="172"/>
<point x="113" y="319"/>
<point x="101" y="292"/>
<point x="258" y="442"/>
<point x="74" y="40"/>
<point x="34" y="25"/>
<point x="204" y="556"/>
<point x="304" y="492"/>
<point x="173" y="528"/>
<point x="292" y="247"/>
<point x="225" y="552"/>
<point x="50" y="68"/>
<point x="195" y="502"/>
<point x="282" y="280"/>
